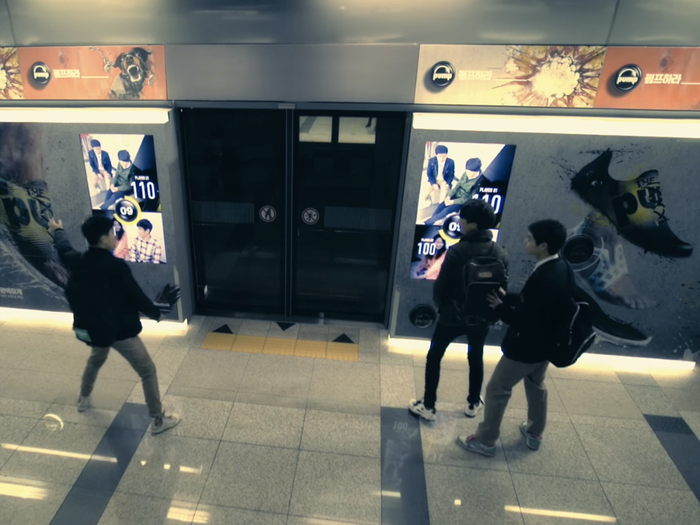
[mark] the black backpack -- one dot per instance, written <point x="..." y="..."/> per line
<point x="577" y="334"/>
<point x="482" y="275"/>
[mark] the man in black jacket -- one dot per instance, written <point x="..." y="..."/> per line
<point x="476" y="217"/>
<point x="534" y="318"/>
<point x="106" y="301"/>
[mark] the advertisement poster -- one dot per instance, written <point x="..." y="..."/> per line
<point x="11" y="86"/>
<point x="514" y="75"/>
<point x="123" y="183"/>
<point x="453" y="173"/>
<point x="94" y="73"/>
<point x="650" y="78"/>
<point x="41" y="178"/>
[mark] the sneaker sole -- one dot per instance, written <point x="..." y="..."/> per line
<point x="475" y="450"/>
<point x="421" y="415"/>
<point x="160" y="430"/>
<point x="527" y="443"/>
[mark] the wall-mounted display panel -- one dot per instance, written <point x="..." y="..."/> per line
<point x="453" y="173"/>
<point x="43" y="168"/>
<point x="624" y="188"/>
<point x="124" y="185"/>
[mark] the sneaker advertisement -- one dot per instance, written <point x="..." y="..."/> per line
<point x="43" y="176"/>
<point x="629" y="204"/>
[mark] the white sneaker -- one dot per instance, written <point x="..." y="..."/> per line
<point x="473" y="409"/>
<point x="418" y="408"/>
<point x="83" y="403"/>
<point x="161" y="424"/>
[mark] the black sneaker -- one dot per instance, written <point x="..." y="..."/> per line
<point x="634" y="206"/>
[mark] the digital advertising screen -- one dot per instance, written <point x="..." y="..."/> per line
<point x="123" y="184"/>
<point x="453" y="173"/>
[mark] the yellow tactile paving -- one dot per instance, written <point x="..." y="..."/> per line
<point x="216" y="341"/>
<point x="306" y="348"/>
<point x="279" y="346"/>
<point x="248" y="343"/>
<point x="343" y="351"/>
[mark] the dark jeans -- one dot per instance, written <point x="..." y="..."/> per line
<point x="112" y="198"/>
<point x="443" y="336"/>
<point x="442" y="211"/>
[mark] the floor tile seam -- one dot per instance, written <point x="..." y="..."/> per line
<point x="663" y="394"/>
<point x="515" y="492"/>
<point x="296" y="467"/>
<point x="202" y="506"/>
<point x="583" y="447"/>
<point x="637" y="485"/>
<point x="21" y="443"/>
<point x="554" y="476"/>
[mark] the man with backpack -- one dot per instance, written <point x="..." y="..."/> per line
<point x="106" y="301"/>
<point x="536" y="320"/>
<point x="472" y="266"/>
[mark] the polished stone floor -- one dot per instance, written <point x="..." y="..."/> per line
<point x="269" y="438"/>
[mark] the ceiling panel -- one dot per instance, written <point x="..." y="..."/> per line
<point x="48" y="22"/>
<point x="6" y="38"/>
<point x="657" y="23"/>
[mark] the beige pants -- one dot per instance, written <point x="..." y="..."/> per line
<point x="134" y="351"/>
<point x="507" y="374"/>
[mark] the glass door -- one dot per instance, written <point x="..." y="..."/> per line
<point x="292" y="213"/>
<point x="346" y="173"/>
<point x="235" y="163"/>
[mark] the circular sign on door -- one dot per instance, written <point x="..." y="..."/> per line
<point x="310" y="216"/>
<point x="268" y="213"/>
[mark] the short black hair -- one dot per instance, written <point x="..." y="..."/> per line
<point x="550" y="231"/>
<point x="480" y="212"/>
<point x="95" y="143"/>
<point x="145" y="224"/>
<point x="123" y="155"/>
<point x="95" y="227"/>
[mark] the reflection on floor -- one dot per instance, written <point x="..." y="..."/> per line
<point x="272" y="436"/>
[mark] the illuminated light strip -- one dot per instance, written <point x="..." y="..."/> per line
<point x="50" y="452"/>
<point x="86" y="115"/>
<point x="387" y="493"/>
<point x="22" y="491"/>
<point x="63" y="319"/>
<point x="561" y="514"/>
<point x="596" y="126"/>
<point x="588" y="360"/>
<point x="187" y="515"/>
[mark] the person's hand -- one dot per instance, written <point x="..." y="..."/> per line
<point x="448" y="201"/>
<point x="55" y="225"/>
<point x="114" y="189"/>
<point x="493" y="299"/>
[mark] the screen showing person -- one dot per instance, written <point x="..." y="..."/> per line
<point x="454" y="172"/>
<point x="122" y="249"/>
<point x="146" y="248"/>
<point x="121" y="165"/>
<point x="431" y="252"/>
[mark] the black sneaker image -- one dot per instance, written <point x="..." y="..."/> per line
<point x="635" y="207"/>
<point x="24" y="213"/>
<point x="610" y="329"/>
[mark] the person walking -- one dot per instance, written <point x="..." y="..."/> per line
<point x="449" y="294"/>
<point x="534" y="319"/>
<point x="106" y="301"/>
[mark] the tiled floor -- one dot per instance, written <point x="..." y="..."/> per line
<point x="279" y="430"/>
